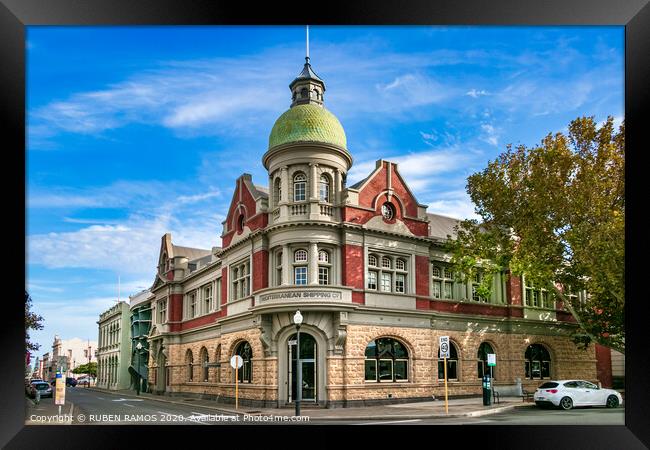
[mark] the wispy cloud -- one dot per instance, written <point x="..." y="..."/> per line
<point x="474" y="93"/>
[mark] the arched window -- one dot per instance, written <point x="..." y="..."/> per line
<point x="323" y="256"/>
<point x="246" y="371"/>
<point x="324" y="188"/>
<point x="452" y="364"/>
<point x="277" y="191"/>
<point x="372" y="260"/>
<point x="386" y="361"/>
<point x="304" y="93"/>
<point x="299" y="187"/>
<point x="205" y="359"/>
<point x="385" y="263"/>
<point x="217" y="358"/>
<point x="483" y="369"/>
<point x="537" y="362"/>
<point x="300" y="255"/>
<point x="323" y="267"/>
<point x="400" y="264"/>
<point x="189" y="362"/>
<point x="300" y="267"/>
<point x="240" y="223"/>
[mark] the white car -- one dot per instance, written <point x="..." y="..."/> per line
<point x="569" y="393"/>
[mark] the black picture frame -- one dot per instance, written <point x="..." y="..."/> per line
<point x="16" y="14"/>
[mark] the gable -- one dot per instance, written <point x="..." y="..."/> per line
<point x="244" y="213"/>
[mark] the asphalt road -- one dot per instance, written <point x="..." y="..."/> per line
<point x="97" y="408"/>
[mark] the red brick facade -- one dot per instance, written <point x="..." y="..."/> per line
<point x="604" y="365"/>
<point x="260" y="270"/>
<point x="352" y="270"/>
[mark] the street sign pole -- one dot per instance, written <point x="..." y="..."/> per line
<point x="446" y="400"/>
<point x="236" y="362"/>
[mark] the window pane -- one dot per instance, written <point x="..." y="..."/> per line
<point x="385" y="370"/>
<point x="300" y="256"/>
<point x="436" y="289"/>
<point x="300" y="275"/>
<point x="448" y="289"/>
<point x="371" y="370"/>
<point x="385" y="262"/>
<point x="400" y="265"/>
<point x="323" y="256"/>
<point x="372" y="280"/>
<point x="448" y="273"/>
<point x="400" y="283"/>
<point x="436" y="272"/>
<point x="386" y="282"/>
<point x="372" y="260"/>
<point x="323" y="275"/>
<point x="546" y="369"/>
<point x="401" y="372"/>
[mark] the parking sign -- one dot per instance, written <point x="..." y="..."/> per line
<point x="444" y="346"/>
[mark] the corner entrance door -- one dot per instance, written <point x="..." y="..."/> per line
<point x="309" y="367"/>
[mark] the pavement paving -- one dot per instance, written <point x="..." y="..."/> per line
<point x="462" y="407"/>
<point x="47" y="413"/>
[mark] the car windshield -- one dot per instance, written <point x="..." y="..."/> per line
<point x="548" y="385"/>
<point x="41" y="386"/>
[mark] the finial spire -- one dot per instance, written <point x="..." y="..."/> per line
<point x="307" y="42"/>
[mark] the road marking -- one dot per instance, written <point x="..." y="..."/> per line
<point x="101" y="398"/>
<point x="132" y="406"/>
<point x="392" y="421"/>
<point x="128" y="400"/>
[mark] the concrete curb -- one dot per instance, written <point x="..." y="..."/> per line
<point x="475" y="413"/>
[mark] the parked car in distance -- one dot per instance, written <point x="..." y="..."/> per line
<point x="44" y="388"/>
<point x="28" y="386"/>
<point x="83" y="381"/>
<point x="570" y="393"/>
<point x="69" y="381"/>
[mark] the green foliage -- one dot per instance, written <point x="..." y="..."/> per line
<point x="556" y="213"/>
<point x="32" y="322"/>
<point x="90" y="369"/>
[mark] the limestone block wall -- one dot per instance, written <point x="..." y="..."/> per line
<point x="346" y="374"/>
<point x="221" y="380"/>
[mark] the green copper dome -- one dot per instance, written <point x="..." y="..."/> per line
<point x="307" y="123"/>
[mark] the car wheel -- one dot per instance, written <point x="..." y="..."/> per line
<point x="612" y="402"/>
<point x="566" y="403"/>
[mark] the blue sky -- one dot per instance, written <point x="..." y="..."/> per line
<point x="133" y="132"/>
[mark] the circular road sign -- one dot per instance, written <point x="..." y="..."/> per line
<point x="236" y="362"/>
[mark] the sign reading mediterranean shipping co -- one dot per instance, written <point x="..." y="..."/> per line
<point x="301" y="295"/>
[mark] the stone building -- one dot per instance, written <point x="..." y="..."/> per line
<point x="365" y="265"/>
<point x="114" y="347"/>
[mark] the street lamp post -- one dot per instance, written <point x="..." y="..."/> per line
<point x="139" y="380"/>
<point x="297" y="319"/>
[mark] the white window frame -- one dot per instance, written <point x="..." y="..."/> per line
<point x="240" y="284"/>
<point x="300" y="185"/>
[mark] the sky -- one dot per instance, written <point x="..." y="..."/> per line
<point x="133" y="132"/>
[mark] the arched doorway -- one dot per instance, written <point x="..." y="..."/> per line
<point x="162" y="372"/>
<point x="309" y="363"/>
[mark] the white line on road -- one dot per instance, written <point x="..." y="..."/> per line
<point x="392" y="421"/>
<point x="126" y="404"/>
<point x="101" y="398"/>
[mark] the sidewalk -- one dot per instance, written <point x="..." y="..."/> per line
<point x="465" y="407"/>
<point x="47" y="413"/>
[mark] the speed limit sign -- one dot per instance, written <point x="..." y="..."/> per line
<point x="444" y="346"/>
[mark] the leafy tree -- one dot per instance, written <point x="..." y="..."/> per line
<point x="90" y="369"/>
<point x="32" y="322"/>
<point x="556" y="213"/>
